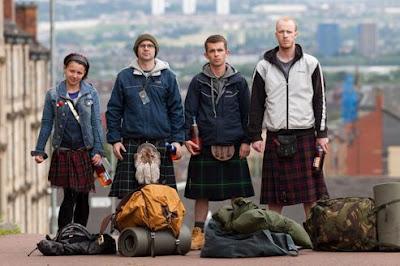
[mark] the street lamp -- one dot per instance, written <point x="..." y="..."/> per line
<point x="53" y="219"/>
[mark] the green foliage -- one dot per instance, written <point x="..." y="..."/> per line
<point x="14" y="231"/>
<point x="8" y="230"/>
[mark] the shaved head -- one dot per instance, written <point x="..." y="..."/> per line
<point x="286" y="19"/>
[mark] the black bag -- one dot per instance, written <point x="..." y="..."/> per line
<point x="286" y="146"/>
<point x="262" y="243"/>
<point x="74" y="239"/>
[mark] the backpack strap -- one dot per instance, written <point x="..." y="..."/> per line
<point x="30" y="253"/>
<point x="383" y="206"/>
<point x="178" y="247"/>
<point x="73" y="110"/>
<point x="152" y="243"/>
<point x="104" y="223"/>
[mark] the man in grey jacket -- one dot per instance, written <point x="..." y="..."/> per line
<point x="288" y="98"/>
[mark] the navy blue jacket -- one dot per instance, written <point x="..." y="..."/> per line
<point x="161" y="118"/>
<point x="228" y="124"/>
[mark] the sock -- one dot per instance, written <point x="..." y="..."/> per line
<point x="199" y="224"/>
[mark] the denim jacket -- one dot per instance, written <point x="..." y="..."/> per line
<point x="54" y="113"/>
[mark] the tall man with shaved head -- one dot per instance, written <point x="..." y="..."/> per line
<point x="288" y="98"/>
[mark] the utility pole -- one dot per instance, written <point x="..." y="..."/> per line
<point x="53" y="219"/>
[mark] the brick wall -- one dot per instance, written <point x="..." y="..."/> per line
<point x="9" y="11"/>
<point x="26" y="18"/>
<point x="364" y="153"/>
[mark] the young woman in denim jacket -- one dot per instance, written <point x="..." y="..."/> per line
<point x="77" y="139"/>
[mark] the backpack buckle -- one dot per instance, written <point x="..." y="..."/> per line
<point x="100" y="240"/>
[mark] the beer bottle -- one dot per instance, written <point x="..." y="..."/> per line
<point x="194" y="132"/>
<point x="319" y="156"/>
<point x="103" y="174"/>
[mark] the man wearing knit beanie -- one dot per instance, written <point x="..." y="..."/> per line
<point x="145" y="107"/>
<point x="145" y="37"/>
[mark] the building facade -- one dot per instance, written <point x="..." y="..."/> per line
<point x="223" y="7"/>
<point x="369" y="145"/>
<point x="189" y="7"/>
<point x="367" y="39"/>
<point x="24" y="79"/>
<point x="328" y="39"/>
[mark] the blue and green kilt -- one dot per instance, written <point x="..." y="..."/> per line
<point x="71" y="169"/>
<point x="216" y="180"/>
<point x="124" y="180"/>
<point x="288" y="181"/>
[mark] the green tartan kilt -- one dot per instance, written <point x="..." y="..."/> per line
<point x="125" y="181"/>
<point x="216" y="180"/>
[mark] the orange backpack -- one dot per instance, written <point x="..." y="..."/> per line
<point x="154" y="206"/>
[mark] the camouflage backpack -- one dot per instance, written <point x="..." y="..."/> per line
<point x="343" y="224"/>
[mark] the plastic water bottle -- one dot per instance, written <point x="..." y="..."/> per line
<point x="172" y="150"/>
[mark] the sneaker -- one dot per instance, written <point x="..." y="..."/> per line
<point x="197" y="239"/>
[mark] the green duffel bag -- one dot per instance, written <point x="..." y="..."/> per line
<point x="245" y="217"/>
<point x="343" y="224"/>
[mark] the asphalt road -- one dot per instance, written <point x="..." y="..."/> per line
<point x="14" y="250"/>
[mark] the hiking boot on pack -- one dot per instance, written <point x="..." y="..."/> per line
<point x="197" y="239"/>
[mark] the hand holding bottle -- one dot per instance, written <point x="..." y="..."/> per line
<point x="194" y="144"/>
<point x="319" y="156"/>
<point x="192" y="147"/>
<point x="174" y="150"/>
<point x="103" y="173"/>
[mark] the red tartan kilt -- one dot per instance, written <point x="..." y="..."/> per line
<point x="288" y="181"/>
<point x="72" y="169"/>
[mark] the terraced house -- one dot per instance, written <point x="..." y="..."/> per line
<point x="24" y="78"/>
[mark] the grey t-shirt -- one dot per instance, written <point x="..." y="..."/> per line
<point x="285" y="66"/>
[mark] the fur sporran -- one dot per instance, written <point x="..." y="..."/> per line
<point x="147" y="163"/>
<point x="223" y="153"/>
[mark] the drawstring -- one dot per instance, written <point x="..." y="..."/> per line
<point x="212" y="97"/>
<point x="219" y="91"/>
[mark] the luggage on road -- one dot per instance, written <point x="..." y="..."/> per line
<point x="343" y="224"/>
<point x="154" y="206"/>
<point x="262" y="243"/>
<point x="246" y="217"/>
<point x="74" y="239"/>
<point x="144" y="216"/>
<point x="387" y="201"/>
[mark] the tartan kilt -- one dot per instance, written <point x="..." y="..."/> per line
<point x="72" y="169"/>
<point x="125" y="181"/>
<point x="216" y="180"/>
<point x="288" y="181"/>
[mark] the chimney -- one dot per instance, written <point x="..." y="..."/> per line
<point x="26" y="18"/>
<point x="9" y="10"/>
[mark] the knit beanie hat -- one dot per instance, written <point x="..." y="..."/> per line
<point x="145" y="37"/>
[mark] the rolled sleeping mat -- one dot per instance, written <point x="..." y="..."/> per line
<point x="387" y="202"/>
<point x="137" y="242"/>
